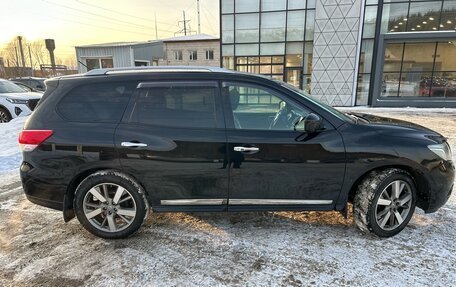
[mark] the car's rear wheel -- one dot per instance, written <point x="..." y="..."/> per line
<point x="110" y="204"/>
<point x="384" y="202"/>
<point x="4" y="116"/>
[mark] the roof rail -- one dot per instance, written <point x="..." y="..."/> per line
<point x="111" y="71"/>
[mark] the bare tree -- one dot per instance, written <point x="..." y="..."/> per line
<point x="11" y="52"/>
<point x="39" y="52"/>
<point x="34" y="57"/>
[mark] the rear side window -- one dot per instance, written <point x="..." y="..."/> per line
<point x="105" y="102"/>
<point x="176" y="106"/>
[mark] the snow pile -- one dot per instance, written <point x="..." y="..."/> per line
<point x="10" y="153"/>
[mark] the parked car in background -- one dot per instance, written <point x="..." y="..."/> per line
<point x="106" y="145"/>
<point x="34" y="82"/>
<point x="15" y="101"/>
<point x="27" y="87"/>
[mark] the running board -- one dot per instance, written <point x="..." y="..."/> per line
<point x="245" y="201"/>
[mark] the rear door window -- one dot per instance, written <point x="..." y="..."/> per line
<point x="101" y="102"/>
<point x="176" y="105"/>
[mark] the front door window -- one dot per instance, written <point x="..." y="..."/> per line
<point x="259" y="108"/>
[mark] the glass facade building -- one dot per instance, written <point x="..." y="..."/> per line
<point x="269" y="37"/>
<point x="347" y="52"/>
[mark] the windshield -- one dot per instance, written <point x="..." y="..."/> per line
<point x="327" y="108"/>
<point x="8" y="87"/>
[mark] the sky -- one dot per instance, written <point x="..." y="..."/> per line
<point x="80" y="22"/>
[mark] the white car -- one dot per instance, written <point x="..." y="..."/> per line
<point x="15" y="101"/>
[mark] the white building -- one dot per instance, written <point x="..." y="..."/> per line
<point x="192" y="50"/>
<point x="119" y="54"/>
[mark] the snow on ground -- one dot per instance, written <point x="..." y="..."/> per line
<point x="10" y="154"/>
<point x="214" y="249"/>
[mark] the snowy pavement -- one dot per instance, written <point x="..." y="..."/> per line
<point x="242" y="249"/>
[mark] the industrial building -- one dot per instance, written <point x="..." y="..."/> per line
<point x="190" y="50"/>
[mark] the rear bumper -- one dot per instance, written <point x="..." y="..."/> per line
<point x="49" y="193"/>
<point x="440" y="185"/>
<point x="46" y="203"/>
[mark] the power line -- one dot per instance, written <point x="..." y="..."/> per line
<point x="122" y="13"/>
<point x="98" y="26"/>
<point x="95" y="14"/>
<point x="110" y="21"/>
<point x="207" y="19"/>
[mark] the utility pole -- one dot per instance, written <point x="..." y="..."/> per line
<point x="156" y="29"/>
<point x="17" y="62"/>
<point x="184" y="29"/>
<point x="199" y="20"/>
<point x="185" y="25"/>
<point x="19" y="38"/>
<point x="31" y="63"/>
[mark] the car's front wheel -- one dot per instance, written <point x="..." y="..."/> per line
<point x="384" y="202"/>
<point x="110" y="204"/>
<point x="4" y="116"/>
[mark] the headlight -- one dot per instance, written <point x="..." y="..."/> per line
<point x="17" y="101"/>
<point x="442" y="150"/>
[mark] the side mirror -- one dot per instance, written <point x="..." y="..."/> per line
<point x="312" y="123"/>
<point x="309" y="124"/>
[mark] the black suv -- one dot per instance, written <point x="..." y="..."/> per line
<point x="108" y="145"/>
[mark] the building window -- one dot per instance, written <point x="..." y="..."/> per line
<point x="178" y="55"/>
<point x="418" y="16"/>
<point x="269" y="66"/>
<point x="97" y="63"/>
<point x="404" y="76"/>
<point x="247" y="28"/>
<point x="209" y="54"/>
<point x="193" y="55"/>
<point x="269" y="37"/>
<point x="273" y="26"/>
<point x="139" y="63"/>
<point x="419" y="69"/>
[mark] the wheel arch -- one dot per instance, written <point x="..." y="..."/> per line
<point x="420" y="183"/>
<point x="68" y="211"/>
<point x="6" y="109"/>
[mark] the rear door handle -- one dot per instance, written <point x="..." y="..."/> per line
<point x="245" y="149"/>
<point x="133" y="144"/>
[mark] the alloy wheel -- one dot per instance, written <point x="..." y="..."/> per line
<point x="393" y="205"/>
<point x="4" y="118"/>
<point x="109" y="207"/>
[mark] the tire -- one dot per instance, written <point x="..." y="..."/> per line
<point x="376" y="207"/>
<point x="110" y="204"/>
<point x="5" y="116"/>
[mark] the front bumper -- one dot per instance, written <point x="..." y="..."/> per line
<point x="18" y="110"/>
<point x="440" y="183"/>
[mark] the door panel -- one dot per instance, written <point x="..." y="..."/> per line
<point x="271" y="165"/>
<point x="174" y="141"/>
<point x="177" y="163"/>
<point x="283" y="168"/>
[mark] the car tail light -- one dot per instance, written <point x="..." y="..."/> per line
<point x="30" y="139"/>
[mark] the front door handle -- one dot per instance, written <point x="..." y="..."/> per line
<point x="133" y="144"/>
<point x="245" y="149"/>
